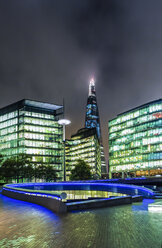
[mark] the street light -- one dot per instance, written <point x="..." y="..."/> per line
<point x="64" y="122"/>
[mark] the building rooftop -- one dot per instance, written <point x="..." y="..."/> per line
<point x="43" y="105"/>
<point x="141" y="106"/>
<point x="33" y="103"/>
<point x="84" y="133"/>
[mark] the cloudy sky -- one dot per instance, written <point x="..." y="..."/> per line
<point x="49" y="49"/>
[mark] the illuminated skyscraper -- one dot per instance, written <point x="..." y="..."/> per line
<point x="92" y="119"/>
<point x="92" y="115"/>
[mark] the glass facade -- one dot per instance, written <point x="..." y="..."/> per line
<point x="85" y="146"/>
<point x="135" y="142"/>
<point x="92" y="115"/>
<point x="30" y="127"/>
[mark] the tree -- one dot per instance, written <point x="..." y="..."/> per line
<point x="16" y="167"/>
<point x="1" y="161"/>
<point x="40" y="171"/>
<point x="28" y="172"/>
<point x="50" y="174"/>
<point x="45" y="172"/>
<point x="8" y="170"/>
<point x="82" y="171"/>
<point x="23" y="166"/>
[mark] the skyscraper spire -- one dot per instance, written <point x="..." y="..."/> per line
<point x="92" y="91"/>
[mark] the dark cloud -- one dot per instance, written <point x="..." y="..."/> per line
<point x="49" y="49"/>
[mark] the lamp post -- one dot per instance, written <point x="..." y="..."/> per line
<point x="64" y="122"/>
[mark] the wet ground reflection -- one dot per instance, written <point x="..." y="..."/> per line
<point x="27" y="225"/>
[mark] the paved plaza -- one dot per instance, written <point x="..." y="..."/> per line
<point x="27" y="225"/>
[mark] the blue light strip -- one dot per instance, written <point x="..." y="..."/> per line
<point x="32" y="194"/>
<point x="149" y="191"/>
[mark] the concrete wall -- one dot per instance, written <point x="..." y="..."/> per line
<point x="55" y="205"/>
<point x="98" y="203"/>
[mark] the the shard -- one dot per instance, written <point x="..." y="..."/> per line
<point x="92" y="119"/>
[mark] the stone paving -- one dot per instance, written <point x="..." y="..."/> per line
<point x="27" y="225"/>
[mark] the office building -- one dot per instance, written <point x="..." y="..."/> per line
<point x="84" y="145"/>
<point x="135" y="142"/>
<point x="31" y="127"/>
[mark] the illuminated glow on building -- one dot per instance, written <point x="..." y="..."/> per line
<point x="135" y="142"/>
<point x="31" y="127"/>
<point x="84" y="145"/>
<point x="92" y="91"/>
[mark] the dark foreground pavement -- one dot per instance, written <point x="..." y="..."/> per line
<point x="27" y="225"/>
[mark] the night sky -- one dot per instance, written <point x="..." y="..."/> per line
<point x="49" y="49"/>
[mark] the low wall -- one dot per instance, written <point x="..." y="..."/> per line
<point x="98" y="203"/>
<point x="89" y="185"/>
<point x="137" y="198"/>
<point x="39" y="193"/>
<point x="54" y="204"/>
